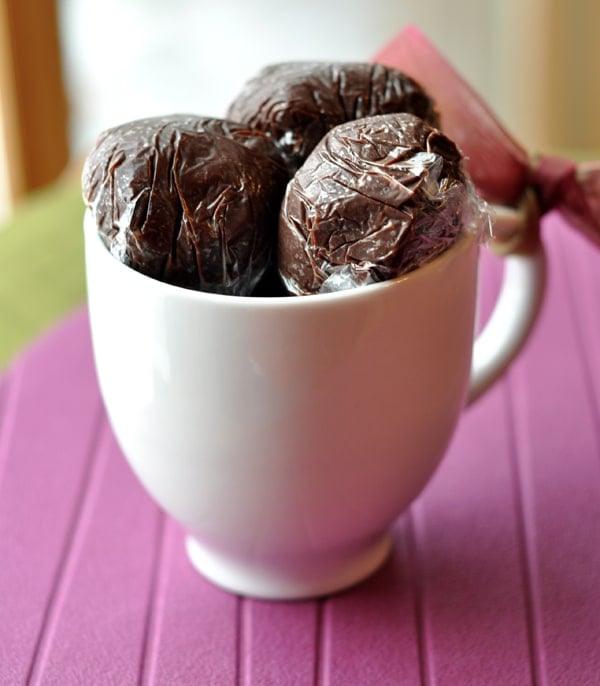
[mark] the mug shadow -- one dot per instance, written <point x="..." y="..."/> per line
<point x="470" y="600"/>
<point x="444" y="606"/>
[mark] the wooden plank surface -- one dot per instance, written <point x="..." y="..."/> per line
<point x="493" y="577"/>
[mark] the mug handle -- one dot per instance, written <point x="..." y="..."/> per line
<point x="516" y="237"/>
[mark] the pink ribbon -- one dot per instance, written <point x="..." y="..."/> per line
<point x="501" y="169"/>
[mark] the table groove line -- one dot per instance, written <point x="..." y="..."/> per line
<point x="415" y="569"/>
<point x="242" y="621"/>
<point x="583" y="353"/>
<point x="9" y="394"/>
<point x="525" y="536"/>
<point x="319" y="676"/>
<point x="155" y="604"/>
<point x="95" y="461"/>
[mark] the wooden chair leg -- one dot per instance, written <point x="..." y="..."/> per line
<point x="32" y="94"/>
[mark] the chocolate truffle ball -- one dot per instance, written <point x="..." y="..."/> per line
<point x="376" y="198"/>
<point x="188" y="200"/>
<point x="298" y="102"/>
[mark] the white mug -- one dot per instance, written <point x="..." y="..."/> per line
<point x="288" y="433"/>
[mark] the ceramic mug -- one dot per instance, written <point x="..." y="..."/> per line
<point x="288" y="433"/>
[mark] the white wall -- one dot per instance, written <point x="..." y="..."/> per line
<point x="134" y="58"/>
<point x="534" y="61"/>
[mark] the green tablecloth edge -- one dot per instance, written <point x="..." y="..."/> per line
<point x="42" y="274"/>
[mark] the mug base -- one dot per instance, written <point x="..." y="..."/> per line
<point x="322" y="576"/>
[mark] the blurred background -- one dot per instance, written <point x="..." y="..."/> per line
<point x="71" y="68"/>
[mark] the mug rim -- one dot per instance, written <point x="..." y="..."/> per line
<point x="94" y="241"/>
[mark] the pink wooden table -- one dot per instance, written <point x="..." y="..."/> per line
<point x="494" y="578"/>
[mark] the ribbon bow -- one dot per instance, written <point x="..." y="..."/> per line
<point x="502" y="170"/>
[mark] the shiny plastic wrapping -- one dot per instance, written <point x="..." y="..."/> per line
<point x="192" y="201"/>
<point x="377" y="198"/>
<point x="297" y="103"/>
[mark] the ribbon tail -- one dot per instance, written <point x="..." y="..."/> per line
<point x="581" y="202"/>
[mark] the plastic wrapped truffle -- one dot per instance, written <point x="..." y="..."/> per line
<point x="378" y="197"/>
<point x="297" y="103"/>
<point x="188" y="200"/>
